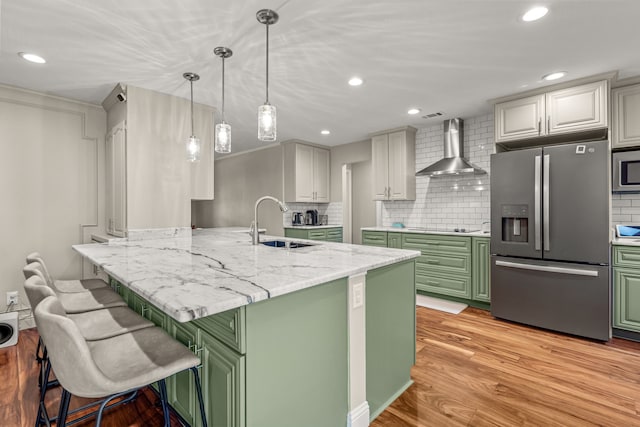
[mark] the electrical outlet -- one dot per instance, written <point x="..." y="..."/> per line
<point x="12" y="298"/>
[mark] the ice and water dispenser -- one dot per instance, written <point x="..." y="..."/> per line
<point x="515" y="223"/>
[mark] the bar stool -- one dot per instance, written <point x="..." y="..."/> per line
<point x="65" y="285"/>
<point x="79" y="302"/>
<point x="93" y="325"/>
<point x="111" y="367"/>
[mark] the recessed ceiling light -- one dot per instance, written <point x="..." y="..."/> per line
<point x="32" y="57"/>
<point x="355" y="81"/>
<point x="535" y="13"/>
<point x="554" y="76"/>
<point x="325" y="132"/>
<point x="413" y="111"/>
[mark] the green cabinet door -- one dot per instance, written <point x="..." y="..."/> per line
<point x="374" y="238"/>
<point x="626" y="299"/>
<point x="394" y="240"/>
<point x="481" y="269"/>
<point x="181" y="386"/>
<point x="223" y="383"/>
<point x="334" y="234"/>
<point x="296" y="233"/>
<point x="148" y="310"/>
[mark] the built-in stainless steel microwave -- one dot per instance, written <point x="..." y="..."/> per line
<point x="626" y="172"/>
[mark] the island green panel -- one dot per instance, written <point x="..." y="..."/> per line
<point x="390" y="331"/>
<point x="181" y="386"/>
<point x="297" y="359"/>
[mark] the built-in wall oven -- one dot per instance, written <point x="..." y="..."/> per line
<point x="626" y="171"/>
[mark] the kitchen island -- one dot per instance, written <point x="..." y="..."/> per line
<point x="322" y="335"/>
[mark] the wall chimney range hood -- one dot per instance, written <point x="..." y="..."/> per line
<point x="453" y="162"/>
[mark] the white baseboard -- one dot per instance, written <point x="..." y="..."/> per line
<point x="359" y="416"/>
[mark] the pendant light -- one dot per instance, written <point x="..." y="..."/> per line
<point x="193" y="143"/>
<point x="267" y="112"/>
<point x="223" y="130"/>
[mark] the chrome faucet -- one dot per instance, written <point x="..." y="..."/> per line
<point x="254" y="231"/>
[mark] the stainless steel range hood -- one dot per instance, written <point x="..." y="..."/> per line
<point x="454" y="162"/>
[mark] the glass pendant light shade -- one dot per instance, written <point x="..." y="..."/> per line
<point x="193" y="149"/>
<point x="267" y="125"/>
<point x="223" y="138"/>
<point x="193" y="143"/>
<point x="223" y="129"/>
<point x="267" y="122"/>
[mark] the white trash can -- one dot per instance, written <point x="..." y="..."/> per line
<point x="8" y="329"/>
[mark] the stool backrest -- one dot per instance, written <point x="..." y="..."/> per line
<point x="69" y="353"/>
<point x="34" y="269"/>
<point x="37" y="290"/>
<point x="35" y="257"/>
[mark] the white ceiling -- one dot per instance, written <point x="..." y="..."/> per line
<point x="437" y="55"/>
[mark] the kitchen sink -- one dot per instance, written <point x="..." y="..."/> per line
<point x="283" y="244"/>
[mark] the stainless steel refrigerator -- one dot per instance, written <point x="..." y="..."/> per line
<point x="550" y="238"/>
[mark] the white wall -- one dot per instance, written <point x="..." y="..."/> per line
<point x="51" y="183"/>
<point x="448" y="202"/>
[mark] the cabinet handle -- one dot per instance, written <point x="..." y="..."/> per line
<point x="430" y="282"/>
<point x="433" y="261"/>
<point x="548" y="124"/>
<point x="143" y="309"/>
<point x="539" y="125"/>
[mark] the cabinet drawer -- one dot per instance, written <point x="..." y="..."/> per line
<point x="436" y="243"/>
<point x="457" y="286"/>
<point x="317" y="235"/>
<point x="459" y="264"/>
<point x="334" y="234"/>
<point x="626" y="256"/>
<point x="226" y="327"/>
<point x="374" y="238"/>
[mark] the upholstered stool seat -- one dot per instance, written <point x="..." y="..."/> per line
<point x="63" y="286"/>
<point x="112" y="366"/>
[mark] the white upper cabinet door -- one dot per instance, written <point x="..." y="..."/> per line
<point x="626" y="117"/>
<point x="520" y="118"/>
<point x="397" y="166"/>
<point x="380" y="163"/>
<point x="577" y="108"/>
<point x="321" y="175"/>
<point x="304" y="173"/>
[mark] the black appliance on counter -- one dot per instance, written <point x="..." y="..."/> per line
<point x="297" y="218"/>
<point x="311" y="218"/>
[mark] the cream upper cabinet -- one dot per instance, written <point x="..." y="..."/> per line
<point x="394" y="165"/>
<point x="625" y="117"/>
<point x="306" y="173"/>
<point x="116" y="181"/>
<point x="520" y="118"/>
<point x="561" y="111"/>
<point x="577" y="108"/>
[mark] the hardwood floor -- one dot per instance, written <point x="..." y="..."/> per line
<point x="471" y="370"/>
<point x="474" y="370"/>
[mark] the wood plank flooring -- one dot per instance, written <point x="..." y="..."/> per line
<point x="471" y="370"/>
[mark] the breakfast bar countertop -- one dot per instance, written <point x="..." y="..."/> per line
<point x="211" y="270"/>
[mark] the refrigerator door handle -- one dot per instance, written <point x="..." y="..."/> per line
<point x="536" y="203"/>
<point x="549" y="269"/>
<point x="545" y="203"/>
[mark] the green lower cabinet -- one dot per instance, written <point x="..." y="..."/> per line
<point x="374" y="238"/>
<point x="626" y="299"/>
<point x="333" y="234"/>
<point x="481" y="269"/>
<point x="181" y="387"/>
<point x="394" y="240"/>
<point x="223" y="383"/>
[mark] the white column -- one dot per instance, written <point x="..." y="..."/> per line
<point x="358" y="415"/>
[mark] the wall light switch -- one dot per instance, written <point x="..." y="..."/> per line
<point x="358" y="295"/>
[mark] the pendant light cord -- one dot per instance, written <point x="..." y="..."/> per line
<point x="267" y="73"/>
<point x="191" y="81"/>
<point x="223" y="89"/>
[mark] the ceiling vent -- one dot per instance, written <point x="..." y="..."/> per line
<point x="432" y="115"/>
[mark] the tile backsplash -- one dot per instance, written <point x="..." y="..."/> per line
<point x="625" y="208"/>
<point x="333" y="210"/>
<point x="448" y="202"/>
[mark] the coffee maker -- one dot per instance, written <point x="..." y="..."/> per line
<point x="297" y="218"/>
<point x="311" y="217"/>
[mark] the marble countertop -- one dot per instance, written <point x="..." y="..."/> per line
<point x="313" y="227"/>
<point x="213" y="270"/>
<point x="625" y="242"/>
<point x="476" y="233"/>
